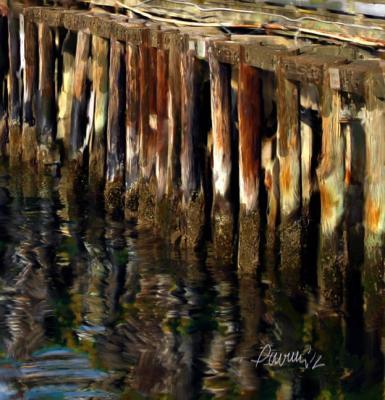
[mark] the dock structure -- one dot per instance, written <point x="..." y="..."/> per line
<point x="250" y="139"/>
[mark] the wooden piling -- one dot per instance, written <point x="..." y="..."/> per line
<point x="132" y="133"/>
<point x="46" y="106"/>
<point x="288" y="151"/>
<point x="66" y="91"/>
<point x="250" y="116"/>
<point x="374" y="189"/>
<point x="223" y="207"/>
<point x="331" y="174"/>
<point x="29" y="138"/>
<point x="79" y="101"/>
<point x="148" y="129"/>
<point x="4" y="66"/>
<point x="192" y="147"/>
<point x="14" y="88"/>
<point x="116" y="127"/>
<point x="97" y="151"/>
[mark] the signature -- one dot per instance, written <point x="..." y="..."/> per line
<point x="307" y="359"/>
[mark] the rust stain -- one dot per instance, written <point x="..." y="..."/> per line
<point x="372" y="215"/>
<point x="285" y="177"/>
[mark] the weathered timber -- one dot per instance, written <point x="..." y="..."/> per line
<point x="66" y="91"/>
<point x="374" y="188"/>
<point x="116" y="127"/>
<point x="163" y="210"/>
<point x="250" y="117"/>
<point x="79" y="101"/>
<point x="223" y="213"/>
<point x="331" y="174"/>
<point x="148" y="129"/>
<point x="192" y="149"/>
<point x="4" y="66"/>
<point x="46" y="101"/>
<point x="97" y="150"/>
<point x="29" y="138"/>
<point x="288" y="152"/>
<point x="175" y="41"/>
<point x="309" y="102"/>
<point x="132" y="133"/>
<point x="14" y="88"/>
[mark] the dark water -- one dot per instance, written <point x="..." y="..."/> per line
<point x="95" y="307"/>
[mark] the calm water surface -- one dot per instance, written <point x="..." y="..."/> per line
<point x="95" y="307"/>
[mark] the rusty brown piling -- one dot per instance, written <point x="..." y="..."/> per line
<point x="250" y="116"/>
<point x="97" y="149"/>
<point x="162" y="130"/>
<point x="46" y="102"/>
<point x="148" y="129"/>
<point x="116" y="127"/>
<point x="79" y="101"/>
<point x="192" y="148"/>
<point x="288" y="151"/>
<point x="331" y="174"/>
<point x="374" y="189"/>
<point x="14" y="88"/>
<point x="132" y="132"/>
<point x="29" y="138"/>
<point x="223" y="222"/>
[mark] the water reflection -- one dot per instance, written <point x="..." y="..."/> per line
<point x="95" y="307"/>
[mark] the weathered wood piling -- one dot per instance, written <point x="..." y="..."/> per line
<point x="207" y="137"/>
